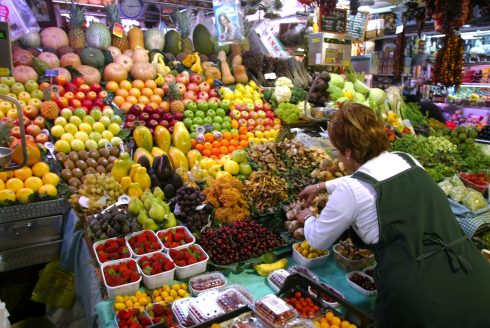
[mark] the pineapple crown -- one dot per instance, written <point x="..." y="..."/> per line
<point x="173" y="91"/>
<point x="113" y="14"/>
<point x="183" y="22"/>
<point x="77" y="15"/>
<point x="247" y="25"/>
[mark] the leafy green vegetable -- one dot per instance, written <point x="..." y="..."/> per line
<point x="337" y="80"/>
<point x="297" y="95"/>
<point x="288" y="113"/>
<point x="411" y="111"/>
<point x="359" y="98"/>
<point x="348" y="86"/>
<point x="361" y="87"/>
<point x="334" y="91"/>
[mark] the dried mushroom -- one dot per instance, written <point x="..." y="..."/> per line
<point x="330" y="170"/>
<point x="266" y="156"/>
<point x="301" y="156"/>
<point x="347" y="249"/>
<point x="265" y="190"/>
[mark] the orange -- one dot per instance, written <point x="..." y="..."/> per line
<point x="4" y="176"/>
<point x="206" y="152"/>
<point x="2" y="185"/>
<point x="215" y="151"/>
<point x="144" y="100"/>
<point x="235" y="136"/>
<point x="138" y="84"/>
<point x="243" y="130"/>
<point x="7" y="194"/>
<point x="40" y="169"/>
<point x="225" y="143"/>
<point x="156" y="99"/>
<point x="150" y="84"/>
<point x="208" y="145"/>
<point x="224" y="150"/>
<point x="193" y="143"/>
<point x="329" y="315"/>
<point x="133" y="100"/>
<point x="43" y="86"/>
<point x="135" y="92"/>
<point x="48" y="189"/>
<point x="23" y="173"/>
<point x="243" y="137"/>
<point x="122" y="92"/>
<point x="335" y="321"/>
<point x="125" y="84"/>
<point x="234" y="142"/>
<point x="209" y="137"/>
<point x="231" y="149"/>
<point x="118" y="100"/>
<point x="158" y="92"/>
<point x="112" y="86"/>
<point x="14" y="184"/>
<point x="234" y="124"/>
<point x="239" y="147"/>
<point x="227" y="135"/>
<point x="33" y="183"/>
<point x="244" y="143"/>
<point x="345" y="324"/>
<point x="126" y="106"/>
<point x="215" y="157"/>
<point x="23" y="194"/>
<point x="216" y="144"/>
<point x="147" y="92"/>
<point x="51" y="179"/>
<point x="199" y="147"/>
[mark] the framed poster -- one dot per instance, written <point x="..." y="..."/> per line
<point x="43" y="12"/>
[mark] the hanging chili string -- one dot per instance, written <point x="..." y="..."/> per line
<point x="448" y="69"/>
<point x="399" y="55"/>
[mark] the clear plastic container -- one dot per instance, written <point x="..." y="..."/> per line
<point x="234" y="297"/>
<point x="274" y="311"/>
<point x="180" y="310"/>
<point x="359" y="288"/>
<point x="352" y="265"/>
<point x="305" y="271"/>
<point x="369" y="270"/>
<point x="309" y="263"/>
<point x="326" y="299"/>
<point x="248" y="320"/>
<point x="276" y="279"/>
<point x="162" y="233"/>
<point x="205" y="307"/>
<point x="136" y="256"/>
<point x="207" y="281"/>
<point x="300" y="323"/>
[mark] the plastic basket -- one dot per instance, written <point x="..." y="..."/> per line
<point x="97" y="243"/>
<point x="184" y="245"/>
<point x="133" y="254"/>
<point x="352" y="265"/>
<point x="361" y="290"/>
<point x="193" y="269"/>
<point x="127" y="289"/>
<point x="143" y="313"/>
<point x="309" y="263"/>
<point x="157" y="280"/>
<point x="469" y="184"/>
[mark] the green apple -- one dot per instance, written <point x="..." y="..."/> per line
<point x="188" y="114"/>
<point x="102" y="142"/>
<point x="191" y="106"/>
<point x="89" y="120"/>
<point x="96" y="114"/>
<point x="245" y="169"/>
<point x="71" y="128"/>
<point x="108" y="112"/>
<point x="116" y="141"/>
<point x="35" y="102"/>
<point x="80" y="113"/>
<point x="227" y="119"/>
<point x="211" y="113"/>
<point x="17" y="88"/>
<point x="62" y="146"/>
<point x="8" y="80"/>
<point x="77" y="145"/>
<point x="37" y="94"/>
<point x="220" y="112"/>
<point x="194" y="128"/>
<point x="114" y="128"/>
<point x="116" y="119"/>
<point x="31" y="85"/>
<point x="80" y="135"/>
<point x="217" y="126"/>
<point x="107" y="135"/>
<point x="226" y="125"/>
<point x="85" y="127"/>
<point x="60" y="121"/>
<point x="91" y="144"/>
<point x="200" y="114"/>
<point x="218" y="119"/>
<point x="239" y="156"/>
<point x="75" y="120"/>
<point x="98" y="127"/>
<point x="4" y="89"/>
<point x="105" y="120"/>
<point x="95" y="136"/>
<point x="197" y="120"/>
<point x="57" y="131"/>
<point x="188" y="122"/>
<point x="67" y="137"/>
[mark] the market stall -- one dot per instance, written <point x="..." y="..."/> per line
<point x="159" y="153"/>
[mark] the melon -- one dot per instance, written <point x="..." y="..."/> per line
<point x="173" y="42"/>
<point x="203" y="42"/>
<point x="154" y="39"/>
<point x="54" y="38"/>
<point x="30" y="40"/>
<point x="98" y="35"/>
<point x="92" y="57"/>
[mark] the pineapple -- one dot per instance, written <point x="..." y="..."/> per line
<point x="183" y="25"/>
<point x="176" y="105"/>
<point x="76" y="34"/>
<point x="113" y="18"/>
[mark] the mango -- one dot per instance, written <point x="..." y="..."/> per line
<point x="181" y="138"/>
<point x="193" y="157"/>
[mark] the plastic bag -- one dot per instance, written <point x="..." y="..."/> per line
<point x="456" y="181"/>
<point x="474" y="200"/>
<point x="207" y="21"/>
<point x="228" y="21"/>
<point x="458" y="193"/>
<point x="55" y="287"/>
<point x="446" y="186"/>
<point x="20" y="18"/>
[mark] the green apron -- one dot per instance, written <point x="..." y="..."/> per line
<point x="428" y="274"/>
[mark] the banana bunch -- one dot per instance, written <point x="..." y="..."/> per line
<point x="264" y="269"/>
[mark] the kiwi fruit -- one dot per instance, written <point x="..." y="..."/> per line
<point x="112" y="159"/>
<point x="109" y="167"/>
<point x="73" y="155"/>
<point x="94" y="153"/>
<point x="100" y="169"/>
<point x="91" y="162"/>
<point x="83" y="154"/>
<point x="69" y="164"/>
<point x="66" y="174"/>
<point x="114" y="151"/>
<point x="77" y="173"/>
<point x="90" y="170"/>
<point x="103" y="161"/>
<point x="74" y="182"/>
<point x="81" y="164"/>
<point x="104" y="152"/>
<point x="61" y="157"/>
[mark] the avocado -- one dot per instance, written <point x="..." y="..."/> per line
<point x="156" y="163"/>
<point x="169" y="191"/>
<point x="144" y="162"/>
<point x="155" y="182"/>
<point x="164" y="171"/>
<point x="176" y="181"/>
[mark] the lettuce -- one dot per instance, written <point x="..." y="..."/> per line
<point x="361" y="87"/>
<point x="337" y="80"/>
<point x="377" y="96"/>
<point x="334" y="91"/>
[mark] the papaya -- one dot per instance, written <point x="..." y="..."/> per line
<point x="142" y="178"/>
<point x="193" y="157"/>
<point x="119" y="170"/>
<point x="181" y="138"/>
<point x="156" y="151"/>
<point x="177" y="158"/>
<point x="134" y="190"/>
<point x="162" y="137"/>
<point x="33" y="152"/>
<point x="143" y="138"/>
<point x="139" y="152"/>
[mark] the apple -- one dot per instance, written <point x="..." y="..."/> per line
<point x="130" y="118"/>
<point x="276" y="126"/>
<point x="261" y="114"/>
<point x="194" y="128"/>
<point x="171" y="129"/>
<point x="160" y="111"/>
<point x="148" y="109"/>
<point x="152" y="124"/>
<point x="251" y="128"/>
<point x="277" y="121"/>
<point x="38" y="94"/>
<point x="207" y="120"/>
<point x="87" y="103"/>
<point x="259" y="121"/>
<point x="12" y="114"/>
<point x="242" y="122"/>
<point x="244" y="114"/>
<point x="203" y="95"/>
<point x="7" y="80"/>
<point x="144" y="117"/>
<point x="155" y="116"/>
<point x="181" y="88"/>
<point x="270" y="114"/>
<point x="35" y="102"/>
<point x="17" y="88"/>
<point x="193" y="87"/>
<point x="249" y="107"/>
<point x="168" y="116"/>
<point x="31" y="85"/>
<point x="129" y="125"/>
<point x="235" y="114"/>
<point x="258" y="106"/>
<point x="80" y="95"/>
<point x="103" y="94"/>
<point x="240" y="107"/>
<point x="191" y="106"/>
<point x="78" y="81"/>
<point x="62" y="102"/>
<point x="213" y="104"/>
<point x="85" y="88"/>
<point x="135" y="110"/>
<point x="188" y="122"/>
<point x="267" y="106"/>
<point x="191" y="95"/>
<point x="253" y="115"/>
<point x="202" y="105"/>
<point x="27" y="121"/>
<point x="220" y="112"/>
<point x="40" y="121"/>
<point x="31" y="112"/>
<point x="199" y="113"/>
<point x="211" y="113"/>
<point x="182" y="78"/>
<point x="91" y="95"/>
<point x="267" y="127"/>
<point x="268" y="121"/>
<point x="213" y="93"/>
<point x="195" y="78"/>
<point x="42" y="138"/>
<point x="169" y="78"/>
<point x="251" y="122"/>
<point x="204" y="86"/>
<point x="188" y="114"/>
<point x="99" y="102"/>
<point x="259" y="128"/>
<point x="15" y="132"/>
<point x="71" y="87"/>
<point x="164" y="123"/>
<point x="33" y="130"/>
<point x="216" y="126"/>
<point x="96" y="87"/>
<point x="4" y="89"/>
<point x="218" y="119"/>
<point x="69" y="95"/>
<point x="197" y="121"/>
<point x="178" y="116"/>
<point x="225" y="104"/>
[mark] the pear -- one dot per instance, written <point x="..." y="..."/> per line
<point x="149" y="224"/>
<point x="146" y="193"/>
<point x="158" y="193"/>
<point x="171" y="221"/>
<point x="148" y="201"/>
<point x="135" y="206"/>
<point x="142" y="217"/>
<point x="156" y="212"/>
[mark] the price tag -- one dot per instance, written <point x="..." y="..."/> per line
<point x="108" y="146"/>
<point x="200" y="207"/>
<point x="399" y="29"/>
<point x="251" y="144"/>
<point x="109" y="99"/>
<point x="270" y="76"/>
<point x="45" y="131"/>
<point x="201" y="129"/>
<point x="318" y="59"/>
<point x="5" y="71"/>
<point x="217" y="84"/>
<point x="51" y="73"/>
<point x="121" y="148"/>
<point x="118" y="30"/>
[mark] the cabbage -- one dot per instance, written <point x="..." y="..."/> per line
<point x="377" y="96"/>
<point x="349" y="86"/>
<point x="361" y="87"/>
<point x="337" y="80"/>
<point x="334" y="91"/>
<point x="359" y="98"/>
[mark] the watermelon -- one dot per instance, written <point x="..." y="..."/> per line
<point x="173" y="42"/>
<point x="92" y="57"/>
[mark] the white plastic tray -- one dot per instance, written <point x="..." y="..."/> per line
<point x="137" y="256"/>
<point x="159" y="279"/>
<point x="309" y="263"/>
<point x="127" y="289"/>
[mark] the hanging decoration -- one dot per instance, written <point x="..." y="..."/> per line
<point x="449" y="61"/>
<point x="399" y="55"/>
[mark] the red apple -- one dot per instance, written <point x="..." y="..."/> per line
<point x="31" y="112"/>
<point x="242" y="122"/>
<point x="193" y="87"/>
<point x="165" y="87"/>
<point x="169" y="78"/>
<point x="99" y="102"/>
<point x="130" y="118"/>
<point x="152" y="124"/>
<point x="91" y="95"/>
<point x="84" y="88"/>
<point x="71" y="87"/>
<point x="15" y="131"/>
<point x="33" y="130"/>
<point x="259" y="121"/>
<point x="235" y="114"/>
<point x="129" y="125"/>
<point x="160" y="110"/>
<point x="213" y="93"/>
<point x="244" y="114"/>
<point x="171" y="129"/>
<point x="270" y="114"/>
<point x="178" y="116"/>
<point x="42" y="138"/>
<point x="203" y="95"/>
<point x="182" y="78"/>
<point x="267" y="127"/>
<point x="253" y="115"/>
<point x="75" y="103"/>
<point x="96" y="87"/>
<point x="259" y="106"/>
<point x="259" y="128"/>
<point x="277" y="127"/>
<point x="78" y="81"/>
<point x="135" y="110"/>
<point x="87" y="103"/>
<point x="165" y="123"/>
<point x="155" y="116"/>
<point x="267" y="106"/>
<point x="181" y="87"/>
<point x="261" y="114"/>
<point x="148" y="109"/>
<point x="80" y="95"/>
<point x="195" y="78"/>
<point x="40" y="121"/>
<point x="190" y="95"/>
<point x="240" y="107"/>
<point x="168" y="116"/>
<point x="103" y="94"/>
<point x="144" y="117"/>
<point x="249" y="107"/>
<point x="204" y="86"/>
<point x="268" y="121"/>
<point x="69" y="95"/>
<point x="215" y="99"/>
<point x="251" y="128"/>
<point x="250" y="122"/>
<point x="62" y="102"/>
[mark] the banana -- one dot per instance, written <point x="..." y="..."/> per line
<point x="265" y="269"/>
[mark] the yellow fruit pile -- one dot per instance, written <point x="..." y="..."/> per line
<point x="308" y="252"/>
<point x="167" y="294"/>
<point x="242" y="94"/>
<point x="330" y="320"/>
<point x="138" y="300"/>
<point x="20" y="184"/>
<point x="136" y="92"/>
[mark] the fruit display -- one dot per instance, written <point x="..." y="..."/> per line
<point x="143" y="243"/>
<point x="265" y="191"/>
<point x="309" y="252"/>
<point x="330" y="319"/>
<point x="226" y="195"/>
<point x="133" y="318"/>
<point x="478" y="181"/>
<point x="266" y="156"/>
<point x="234" y="297"/>
<point x="187" y="256"/>
<point x="188" y="199"/>
<point x="167" y="294"/>
<point x="204" y="307"/>
<point x="155" y="264"/>
<point x="265" y="268"/>
<point x="112" y="223"/>
<point x="301" y="156"/>
<point x="238" y="241"/>
<point x="175" y="237"/>
<point x="277" y="278"/>
<point x="97" y="190"/>
<point x="137" y="300"/>
<point x="112" y="249"/>
<point x="304" y="304"/>
<point x="208" y="281"/>
<point x="151" y="211"/>
<point x="122" y="273"/>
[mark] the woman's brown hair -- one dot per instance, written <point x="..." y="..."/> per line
<point x="356" y="127"/>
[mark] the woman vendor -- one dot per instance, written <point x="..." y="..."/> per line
<point x="428" y="274"/>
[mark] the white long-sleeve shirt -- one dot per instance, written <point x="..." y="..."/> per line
<point x="352" y="202"/>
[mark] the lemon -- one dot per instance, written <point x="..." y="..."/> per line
<point x="158" y="299"/>
<point x="129" y="304"/>
<point x="51" y="179"/>
<point x="259" y="134"/>
<point x="169" y="299"/>
<point x="4" y="176"/>
<point x="33" y="183"/>
<point x="182" y="293"/>
<point x="119" y="306"/>
<point x="49" y="190"/>
<point x="183" y="286"/>
<point x="173" y="293"/>
<point x="14" y="184"/>
<point x="118" y="299"/>
<point x="23" y="173"/>
<point x="7" y="195"/>
<point x="40" y="169"/>
<point x="23" y="194"/>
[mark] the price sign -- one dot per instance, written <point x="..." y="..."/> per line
<point x="335" y="22"/>
<point x="356" y="25"/>
<point x="118" y="30"/>
<point x="51" y="73"/>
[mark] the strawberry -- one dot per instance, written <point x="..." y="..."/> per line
<point x="145" y="321"/>
<point x="134" y="277"/>
<point x="188" y="239"/>
<point x="100" y="248"/>
<point x="158" y="309"/>
<point x="121" y="241"/>
<point x="148" y="271"/>
<point x="168" y="266"/>
<point x="174" y="244"/>
<point x="132" y="265"/>
<point x="178" y="237"/>
<point x="191" y="260"/>
<point x="141" y="237"/>
<point x="180" y="263"/>
<point x="102" y="257"/>
<point x="167" y="244"/>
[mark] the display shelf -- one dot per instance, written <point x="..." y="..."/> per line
<point x="88" y="5"/>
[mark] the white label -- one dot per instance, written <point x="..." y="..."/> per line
<point x="318" y="58"/>
<point x="270" y="76"/>
<point x="83" y="201"/>
<point x="276" y="305"/>
<point x="200" y="130"/>
<point x="399" y="29"/>
<point x="200" y="207"/>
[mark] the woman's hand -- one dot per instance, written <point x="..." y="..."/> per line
<point x="310" y="192"/>
<point x="302" y="215"/>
